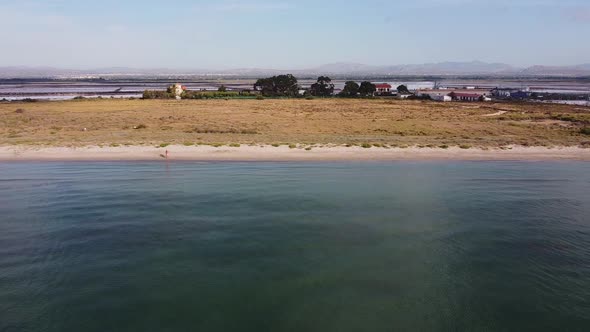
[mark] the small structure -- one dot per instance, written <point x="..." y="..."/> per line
<point x="178" y="89"/>
<point x="383" y="89"/>
<point x="503" y="92"/>
<point x="461" y="96"/>
<point x="441" y="97"/>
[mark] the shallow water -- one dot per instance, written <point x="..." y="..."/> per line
<point x="410" y="246"/>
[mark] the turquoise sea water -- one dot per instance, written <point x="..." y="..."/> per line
<point x="408" y="246"/>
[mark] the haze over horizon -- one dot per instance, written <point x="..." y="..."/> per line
<point x="291" y="34"/>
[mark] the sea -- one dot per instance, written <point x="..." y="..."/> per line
<point x="270" y="246"/>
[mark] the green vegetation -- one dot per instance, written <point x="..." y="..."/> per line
<point x="351" y="90"/>
<point x="323" y="87"/>
<point x="278" y="86"/>
<point x="585" y="131"/>
<point x="465" y="146"/>
<point x="235" y="145"/>
<point x="367" y="145"/>
<point x="367" y="89"/>
<point x="403" y="89"/>
<point x="222" y="88"/>
<point x="213" y="95"/>
<point x="150" y="94"/>
<point x="163" y="145"/>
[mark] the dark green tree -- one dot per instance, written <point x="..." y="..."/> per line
<point x="351" y="89"/>
<point x="222" y="88"/>
<point x="323" y="87"/>
<point x="403" y="90"/>
<point x="367" y="89"/>
<point x="278" y="86"/>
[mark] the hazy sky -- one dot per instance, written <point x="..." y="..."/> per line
<point x="291" y="34"/>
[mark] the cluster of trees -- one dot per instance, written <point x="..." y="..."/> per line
<point x="278" y="86"/>
<point x="352" y="89"/>
<point x="287" y="86"/>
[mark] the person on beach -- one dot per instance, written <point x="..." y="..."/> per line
<point x="166" y="154"/>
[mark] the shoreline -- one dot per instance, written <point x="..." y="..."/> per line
<point x="284" y="153"/>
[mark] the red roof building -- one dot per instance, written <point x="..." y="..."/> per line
<point x="466" y="96"/>
<point x="383" y="88"/>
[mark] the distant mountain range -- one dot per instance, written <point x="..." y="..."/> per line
<point x="336" y="69"/>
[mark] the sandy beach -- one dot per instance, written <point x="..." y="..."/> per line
<point x="284" y="153"/>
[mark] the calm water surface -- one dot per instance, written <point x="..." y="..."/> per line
<point x="295" y="247"/>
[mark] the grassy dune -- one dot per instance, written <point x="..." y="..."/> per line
<point x="368" y="123"/>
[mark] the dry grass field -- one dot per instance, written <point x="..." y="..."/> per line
<point x="329" y="121"/>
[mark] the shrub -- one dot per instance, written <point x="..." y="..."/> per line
<point x="585" y="131"/>
<point x="444" y="146"/>
<point x="151" y="94"/>
<point x="79" y="98"/>
<point x="163" y="145"/>
<point x="367" y="145"/>
<point x="210" y="94"/>
<point x="465" y="146"/>
<point x="308" y="149"/>
<point x="292" y="146"/>
<point x="259" y="97"/>
<point x="235" y="145"/>
<point x="276" y="145"/>
<point x="19" y="111"/>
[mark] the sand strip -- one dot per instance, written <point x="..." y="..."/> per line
<point x="283" y="153"/>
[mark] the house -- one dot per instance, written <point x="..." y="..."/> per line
<point x="178" y="89"/>
<point x="383" y="89"/>
<point x="462" y="96"/>
<point x="503" y="92"/>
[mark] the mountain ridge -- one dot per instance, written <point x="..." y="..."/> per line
<point x="337" y="68"/>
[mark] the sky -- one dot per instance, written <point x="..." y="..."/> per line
<point x="285" y="34"/>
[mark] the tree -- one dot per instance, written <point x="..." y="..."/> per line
<point x="367" y="89"/>
<point x="351" y="89"/>
<point x="222" y="88"/>
<point x="403" y="90"/>
<point x="323" y="87"/>
<point x="278" y="86"/>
